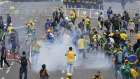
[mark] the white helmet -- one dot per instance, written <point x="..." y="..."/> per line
<point x="11" y="24"/>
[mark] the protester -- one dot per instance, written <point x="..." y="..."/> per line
<point x="101" y="20"/>
<point x="8" y="21"/>
<point x="43" y="73"/>
<point x="136" y="22"/>
<point x="88" y="27"/>
<point x="97" y="39"/>
<point x="55" y="15"/>
<point x="109" y="12"/>
<point x="131" y="27"/>
<point x="61" y="14"/>
<point x="70" y="59"/>
<point x="47" y="25"/>
<point x="1" y="23"/>
<point x="36" y="50"/>
<point x="69" y="76"/>
<point x="97" y="76"/>
<point x="24" y="61"/>
<point x="3" y="56"/>
<point x="118" y="60"/>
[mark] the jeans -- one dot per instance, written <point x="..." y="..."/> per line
<point x="61" y="16"/>
<point x="8" y="24"/>
<point x="23" y="70"/>
<point x="35" y="57"/>
<point x="126" y="24"/>
<point x="14" y="44"/>
<point x="82" y="30"/>
<point x="81" y="51"/>
<point x="5" y="61"/>
<point x="118" y="67"/>
<point x="70" y="67"/>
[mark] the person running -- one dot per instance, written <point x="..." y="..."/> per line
<point x="36" y="50"/>
<point x="118" y="60"/>
<point x="97" y="39"/>
<point x="131" y="27"/>
<point x="61" y="14"/>
<point x="137" y="53"/>
<point x="43" y="73"/>
<point x="3" y="56"/>
<point x="97" y="76"/>
<point x="70" y="59"/>
<point x="55" y="16"/>
<point x="13" y="40"/>
<point x="123" y="37"/>
<point x="30" y="26"/>
<point x="81" y="46"/>
<point x="87" y="23"/>
<point x="24" y="61"/>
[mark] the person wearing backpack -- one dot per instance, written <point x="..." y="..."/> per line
<point x="96" y="39"/>
<point x="24" y="63"/>
<point x="118" y="60"/>
<point x="43" y="73"/>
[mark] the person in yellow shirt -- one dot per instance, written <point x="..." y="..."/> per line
<point x="81" y="46"/>
<point x="73" y="16"/>
<point x="96" y="39"/>
<point x="70" y="59"/>
<point x="30" y="26"/>
<point x="36" y="50"/>
<point x="138" y="35"/>
<point x="123" y="37"/>
<point x="87" y="22"/>
<point x="10" y="28"/>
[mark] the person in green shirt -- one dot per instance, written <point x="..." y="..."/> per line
<point x="121" y="30"/>
<point x="138" y="56"/>
<point x="125" y="70"/>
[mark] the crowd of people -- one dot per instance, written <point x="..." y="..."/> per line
<point x="114" y="43"/>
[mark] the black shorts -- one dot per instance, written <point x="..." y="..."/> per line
<point x="131" y="30"/>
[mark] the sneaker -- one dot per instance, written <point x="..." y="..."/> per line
<point x="1" y="68"/>
<point x="9" y="67"/>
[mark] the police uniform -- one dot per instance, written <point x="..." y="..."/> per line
<point x="78" y="3"/>
<point x="73" y="4"/>
<point x="65" y="2"/>
<point x="100" y="4"/>
<point x="69" y="3"/>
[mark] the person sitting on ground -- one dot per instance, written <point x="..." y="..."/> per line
<point x="43" y="73"/>
<point x="98" y="76"/>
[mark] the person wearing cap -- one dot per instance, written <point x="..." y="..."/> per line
<point x="125" y="70"/>
<point x="131" y="27"/>
<point x="10" y="28"/>
<point x="47" y="25"/>
<point x="43" y="73"/>
<point x="97" y="76"/>
<point x="36" y="49"/>
<point x="116" y="38"/>
<point x="70" y="59"/>
<point x="49" y="35"/>
<point x="69" y="75"/>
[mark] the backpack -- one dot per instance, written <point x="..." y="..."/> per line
<point x="81" y="25"/>
<point x="119" y="58"/>
<point x="24" y="61"/>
